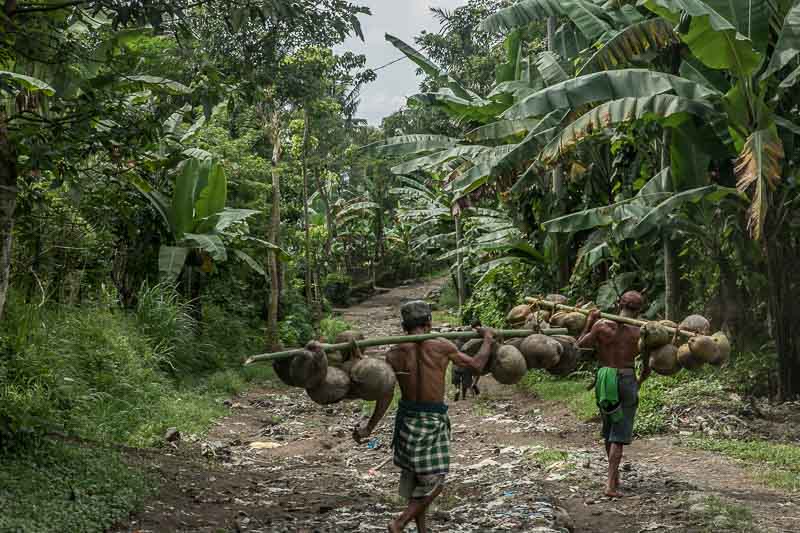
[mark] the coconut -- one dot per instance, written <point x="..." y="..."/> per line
<point x="473" y="346"/>
<point x="557" y="319"/>
<point x="515" y="342"/>
<point x="332" y="389"/>
<point x="509" y="365"/>
<point x="541" y="351"/>
<point x="348" y="336"/>
<point x="574" y="322"/>
<point x="723" y="348"/>
<point x="687" y="359"/>
<point x="696" y="324"/>
<point x="543" y="315"/>
<point x="533" y="323"/>
<point x="282" y="368"/>
<point x="556" y="298"/>
<point x="308" y="368"/>
<point x="518" y="314"/>
<point x="655" y="335"/>
<point x="568" y="361"/>
<point x="704" y="348"/>
<point x="372" y="379"/>
<point x="664" y="360"/>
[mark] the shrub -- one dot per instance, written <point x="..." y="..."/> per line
<point x="329" y="328"/>
<point x="496" y="294"/>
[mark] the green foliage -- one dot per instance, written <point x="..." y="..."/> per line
<point x="548" y="457"/>
<point x="55" y="487"/>
<point x="330" y="327"/>
<point x="499" y="291"/>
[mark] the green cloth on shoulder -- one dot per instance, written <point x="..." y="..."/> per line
<point x="606" y="393"/>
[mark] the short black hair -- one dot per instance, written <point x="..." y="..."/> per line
<point x="416" y="322"/>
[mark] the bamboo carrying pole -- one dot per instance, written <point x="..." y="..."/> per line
<point x="538" y="302"/>
<point x="380" y="341"/>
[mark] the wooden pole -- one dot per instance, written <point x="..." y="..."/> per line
<point x="400" y="339"/>
<point x="538" y="302"/>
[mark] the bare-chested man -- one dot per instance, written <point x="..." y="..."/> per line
<point x="617" y="346"/>
<point x="422" y="428"/>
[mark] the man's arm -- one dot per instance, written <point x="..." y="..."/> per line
<point x="478" y="362"/>
<point x="646" y="370"/>
<point x="587" y="337"/>
<point x="381" y="406"/>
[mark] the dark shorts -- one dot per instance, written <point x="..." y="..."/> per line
<point x="414" y="486"/>
<point x="462" y="376"/>
<point x="622" y="431"/>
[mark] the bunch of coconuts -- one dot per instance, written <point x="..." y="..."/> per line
<point x="558" y="354"/>
<point x="348" y="376"/>
<point x="667" y="356"/>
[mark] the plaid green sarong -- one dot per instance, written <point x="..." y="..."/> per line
<point x="422" y="438"/>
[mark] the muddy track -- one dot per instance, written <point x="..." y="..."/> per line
<point x="279" y="462"/>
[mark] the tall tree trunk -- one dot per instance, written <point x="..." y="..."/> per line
<point x="306" y="223"/>
<point x="784" y="303"/>
<point x="8" y="202"/>
<point x="273" y="341"/>
<point x="377" y="261"/>
<point x="329" y="222"/>
<point x="551" y="33"/>
<point x="670" y="255"/>
<point x="459" y="265"/>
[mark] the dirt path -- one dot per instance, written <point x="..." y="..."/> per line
<point x="282" y="463"/>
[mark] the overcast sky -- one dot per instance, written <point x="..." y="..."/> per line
<point x="403" y="19"/>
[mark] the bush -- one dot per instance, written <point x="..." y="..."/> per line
<point x="337" y="288"/>
<point x="57" y="487"/>
<point x="329" y="328"/>
<point x="496" y="294"/>
<point x="91" y="372"/>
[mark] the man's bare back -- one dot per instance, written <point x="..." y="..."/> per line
<point x="617" y="345"/>
<point x="421" y="368"/>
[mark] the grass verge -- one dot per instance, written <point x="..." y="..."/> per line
<point x="56" y="487"/>
<point x="776" y="465"/>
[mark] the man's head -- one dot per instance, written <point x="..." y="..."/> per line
<point x="416" y="316"/>
<point x="630" y="305"/>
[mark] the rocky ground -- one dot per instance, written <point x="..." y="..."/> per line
<point x="279" y="462"/>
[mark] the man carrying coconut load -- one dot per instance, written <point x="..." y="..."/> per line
<point x="617" y="388"/>
<point x="422" y="428"/>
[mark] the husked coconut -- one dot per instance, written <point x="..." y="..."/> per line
<point x="309" y="368"/>
<point x="664" y="360"/>
<point x="348" y="336"/>
<point x="283" y="368"/>
<point x="557" y="319"/>
<point x="533" y="323"/>
<point x="723" y="348"/>
<point x="543" y="315"/>
<point x="473" y="346"/>
<point x="332" y="389"/>
<point x="509" y="365"/>
<point x="574" y="322"/>
<point x="515" y="342"/>
<point x="372" y="378"/>
<point x="687" y="359"/>
<point x="568" y="361"/>
<point x="518" y="314"/>
<point x="704" y="348"/>
<point x="556" y="298"/>
<point x="696" y="324"/>
<point x="540" y="351"/>
<point x="655" y="335"/>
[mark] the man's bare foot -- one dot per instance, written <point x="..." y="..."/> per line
<point x="613" y="493"/>
<point x="394" y="527"/>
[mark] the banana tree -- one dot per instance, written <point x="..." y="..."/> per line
<point x="196" y="218"/>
